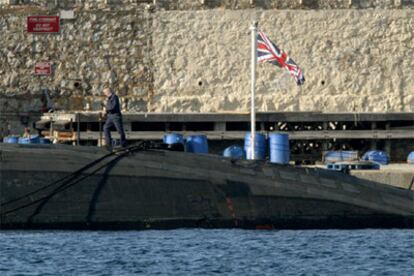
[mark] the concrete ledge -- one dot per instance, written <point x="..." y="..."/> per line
<point x="398" y="175"/>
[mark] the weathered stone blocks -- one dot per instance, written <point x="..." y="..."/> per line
<point x="199" y="60"/>
<point x="354" y="60"/>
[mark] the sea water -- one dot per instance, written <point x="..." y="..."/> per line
<point x="208" y="252"/>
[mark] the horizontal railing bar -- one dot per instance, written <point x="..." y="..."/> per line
<point x="237" y="135"/>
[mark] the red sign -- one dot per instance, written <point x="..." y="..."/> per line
<point x="43" y="24"/>
<point x="43" y="68"/>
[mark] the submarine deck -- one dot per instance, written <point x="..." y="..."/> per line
<point x="162" y="189"/>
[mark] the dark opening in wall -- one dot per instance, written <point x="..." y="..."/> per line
<point x="175" y="126"/>
<point x="269" y="126"/>
<point x="89" y="126"/>
<point x="94" y="126"/>
<point x="240" y="126"/>
<point x="199" y="126"/>
<point x="323" y="82"/>
<point x="402" y="124"/>
<point x="200" y="83"/>
<point x="361" y="145"/>
<point x="148" y="126"/>
<point x="82" y="126"/>
<point x="76" y="84"/>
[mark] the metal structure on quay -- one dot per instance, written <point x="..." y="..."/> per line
<point x="310" y="133"/>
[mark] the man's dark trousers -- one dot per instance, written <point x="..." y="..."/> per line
<point x="114" y="120"/>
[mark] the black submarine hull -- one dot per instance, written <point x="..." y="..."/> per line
<point x="158" y="189"/>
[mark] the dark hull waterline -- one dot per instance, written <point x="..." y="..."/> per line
<point x="156" y="189"/>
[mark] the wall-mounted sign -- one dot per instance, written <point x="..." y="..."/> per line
<point x="67" y="14"/>
<point x="43" y="68"/>
<point x="43" y="24"/>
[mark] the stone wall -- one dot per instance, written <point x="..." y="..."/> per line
<point x="227" y="4"/>
<point x="93" y="50"/>
<point x="354" y="60"/>
<point x="197" y="60"/>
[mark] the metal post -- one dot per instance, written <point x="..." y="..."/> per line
<point x="411" y="184"/>
<point x="325" y="142"/>
<point x="373" y="144"/>
<point x="77" y="129"/>
<point x="51" y="129"/>
<point x="388" y="140"/>
<point x="253" y="29"/>
<point x="100" y="129"/>
<point x="71" y="129"/>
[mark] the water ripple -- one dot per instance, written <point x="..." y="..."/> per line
<point x="207" y="252"/>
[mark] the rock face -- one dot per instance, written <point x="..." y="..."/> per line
<point x="93" y="50"/>
<point x="353" y="60"/>
<point x="185" y="56"/>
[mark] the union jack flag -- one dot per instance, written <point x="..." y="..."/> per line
<point x="267" y="51"/>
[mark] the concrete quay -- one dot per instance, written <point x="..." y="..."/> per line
<point x="400" y="175"/>
<point x="397" y="175"/>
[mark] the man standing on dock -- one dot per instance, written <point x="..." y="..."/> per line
<point x="113" y="118"/>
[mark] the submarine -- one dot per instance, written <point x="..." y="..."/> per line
<point x="149" y="187"/>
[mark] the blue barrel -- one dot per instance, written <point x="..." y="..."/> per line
<point x="173" y="138"/>
<point x="377" y="156"/>
<point x="340" y="156"/>
<point x="43" y="140"/>
<point x="11" y="139"/>
<point x="196" y="144"/>
<point x="259" y="147"/>
<point x="24" y="140"/>
<point x="410" y="158"/>
<point x="279" y="148"/>
<point x="234" y="152"/>
<point x="33" y="139"/>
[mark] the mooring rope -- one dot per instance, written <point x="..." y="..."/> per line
<point x="71" y="177"/>
<point x="57" y="181"/>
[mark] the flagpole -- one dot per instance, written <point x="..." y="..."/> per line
<point x="253" y="29"/>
